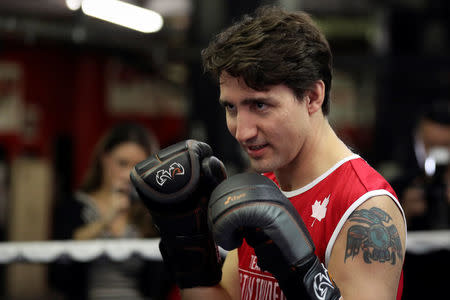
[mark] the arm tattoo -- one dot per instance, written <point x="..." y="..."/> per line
<point x="378" y="240"/>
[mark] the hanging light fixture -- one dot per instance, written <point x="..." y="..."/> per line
<point x="122" y="13"/>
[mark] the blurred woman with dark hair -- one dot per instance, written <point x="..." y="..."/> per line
<point x="106" y="188"/>
<point x="105" y="207"/>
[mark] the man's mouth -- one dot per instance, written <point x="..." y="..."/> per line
<point x="256" y="148"/>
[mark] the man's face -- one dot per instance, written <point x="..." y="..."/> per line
<point x="271" y="126"/>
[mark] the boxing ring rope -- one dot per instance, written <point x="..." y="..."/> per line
<point x="82" y="251"/>
<point x="422" y="242"/>
<point x="418" y="242"/>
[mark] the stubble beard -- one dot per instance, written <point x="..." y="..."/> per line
<point x="261" y="166"/>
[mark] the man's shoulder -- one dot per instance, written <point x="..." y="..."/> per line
<point x="368" y="176"/>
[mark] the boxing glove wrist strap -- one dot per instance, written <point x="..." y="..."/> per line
<point x="319" y="284"/>
<point x="193" y="260"/>
<point x="308" y="279"/>
<point x="188" y="248"/>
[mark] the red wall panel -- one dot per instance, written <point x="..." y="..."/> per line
<point x="65" y="88"/>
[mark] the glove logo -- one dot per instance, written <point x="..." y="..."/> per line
<point x="163" y="175"/>
<point x="322" y="283"/>
<point x="234" y="198"/>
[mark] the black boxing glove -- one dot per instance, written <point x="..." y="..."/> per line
<point x="175" y="185"/>
<point x="251" y="206"/>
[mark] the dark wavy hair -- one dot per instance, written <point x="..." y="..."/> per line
<point x="117" y="135"/>
<point x="270" y="47"/>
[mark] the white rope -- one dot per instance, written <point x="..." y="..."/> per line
<point x="82" y="251"/>
<point x="419" y="242"/>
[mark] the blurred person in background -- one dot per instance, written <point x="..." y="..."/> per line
<point x="424" y="185"/>
<point x="104" y="208"/>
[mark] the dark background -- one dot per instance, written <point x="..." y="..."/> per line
<point x="397" y="48"/>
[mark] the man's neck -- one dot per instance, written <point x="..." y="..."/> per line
<point x="319" y="153"/>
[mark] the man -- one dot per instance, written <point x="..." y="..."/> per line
<point x="274" y="72"/>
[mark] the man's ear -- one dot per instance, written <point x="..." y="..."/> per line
<point x="315" y="96"/>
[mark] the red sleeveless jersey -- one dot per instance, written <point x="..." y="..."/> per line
<point x="324" y="205"/>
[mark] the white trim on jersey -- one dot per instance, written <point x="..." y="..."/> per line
<point x="310" y="185"/>
<point x="350" y="210"/>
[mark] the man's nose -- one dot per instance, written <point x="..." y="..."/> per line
<point x="246" y="128"/>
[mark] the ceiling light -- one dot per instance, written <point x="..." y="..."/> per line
<point x="73" y="4"/>
<point x="124" y="14"/>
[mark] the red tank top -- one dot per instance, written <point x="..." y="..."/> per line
<point x="324" y="205"/>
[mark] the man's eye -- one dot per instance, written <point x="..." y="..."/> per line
<point x="229" y="107"/>
<point x="260" y="105"/>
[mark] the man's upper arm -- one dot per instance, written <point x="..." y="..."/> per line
<point x="367" y="258"/>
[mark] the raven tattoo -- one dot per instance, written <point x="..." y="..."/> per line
<point x="377" y="240"/>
